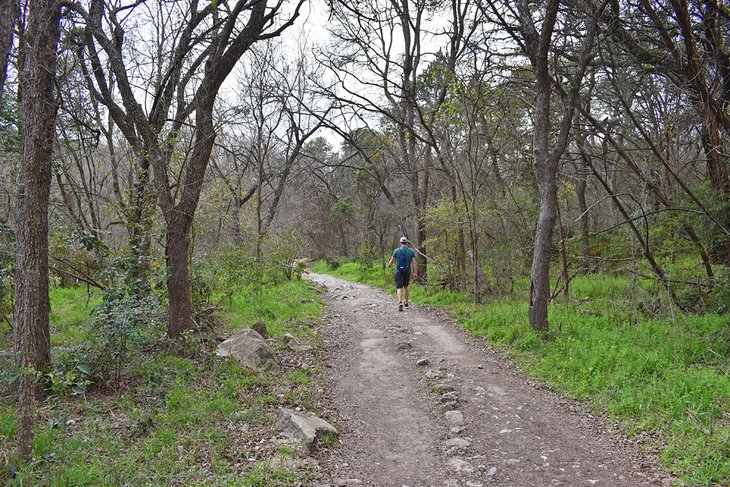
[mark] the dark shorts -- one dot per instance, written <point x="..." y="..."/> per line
<point x="402" y="279"/>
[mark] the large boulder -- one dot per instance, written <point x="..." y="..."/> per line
<point x="251" y="350"/>
<point x="303" y="427"/>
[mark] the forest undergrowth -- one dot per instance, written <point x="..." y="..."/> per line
<point x="127" y="406"/>
<point x="662" y="375"/>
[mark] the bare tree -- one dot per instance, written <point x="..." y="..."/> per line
<point x="533" y="29"/>
<point x="200" y="53"/>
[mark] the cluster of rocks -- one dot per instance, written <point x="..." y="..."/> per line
<point x="253" y="349"/>
<point x="456" y="447"/>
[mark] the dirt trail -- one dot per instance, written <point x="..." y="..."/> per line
<point x="420" y="403"/>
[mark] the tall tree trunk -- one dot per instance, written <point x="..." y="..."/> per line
<point x="32" y="304"/>
<point x="542" y="252"/>
<point x="179" y="289"/>
<point x="180" y="222"/>
<point x="546" y="168"/>
<point x="537" y="47"/>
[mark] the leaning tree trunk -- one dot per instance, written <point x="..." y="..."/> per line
<point x="38" y="114"/>
<point x="542" y="252"/>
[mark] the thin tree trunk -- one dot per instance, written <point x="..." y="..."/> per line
<point x="585" y="241"/>
<point x="546" y="172"/>
<point x="542" y="252"/>
<point x="564" y="258"/>
<point x="460" y="254"/>
<point x="139" y="227"/>
<point x="39" y="107"/>
<point x="236" y="222"/>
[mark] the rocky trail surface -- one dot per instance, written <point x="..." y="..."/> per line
<point x="419" y="402"/>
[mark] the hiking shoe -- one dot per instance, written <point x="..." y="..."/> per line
<point x="400" y="306"/>
<point x="406" y="305"/>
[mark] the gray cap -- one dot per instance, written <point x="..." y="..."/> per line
<point x="403" y="240"/>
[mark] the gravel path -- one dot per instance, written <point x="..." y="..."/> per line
<point x="419" y="402"/>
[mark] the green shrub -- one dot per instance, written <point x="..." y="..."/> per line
<point x="119" y="326"/>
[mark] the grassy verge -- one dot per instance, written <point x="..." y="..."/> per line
<point x="179" y="415"/>
<point x="70" y="309"/>
<point x="651" y="369"/>
<point x="281" y="307"/>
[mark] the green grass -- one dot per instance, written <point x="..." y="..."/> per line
<point x="70" y="308"/>
<point x="281" y="307"/>
<point x="619" y="346"/>
<point x="179" y="417"/>
<point x="183" y="426"/>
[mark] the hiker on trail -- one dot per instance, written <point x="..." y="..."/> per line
<point x="405" y="258"/>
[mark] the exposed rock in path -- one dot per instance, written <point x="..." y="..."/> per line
<point x="251" y="350"/>
<point x="454" y="417"/>
<point x="435" y="374"/>
<point x="456" y="446"/>
<point x="296" y="344"/>
<point x="303" y="426"/>
<point x="460" y="465"/>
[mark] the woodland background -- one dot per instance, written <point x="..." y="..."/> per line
<point x="166" y="158"/>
